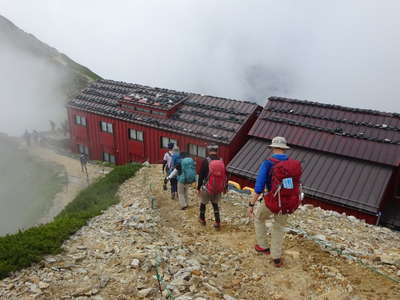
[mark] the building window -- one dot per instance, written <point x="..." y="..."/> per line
<point x="143" y="109"/>
<point x="109" y="157"/>
<point x="106" y="127"/>
<point x="196" y="150"/>
<point x="166" y="140"/>
<point x="80" y="120"/>
<point x="83" y="149"/>
<point x="158" y="113"/>
<point x="135" y="135"/>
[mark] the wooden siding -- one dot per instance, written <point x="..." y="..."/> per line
<point x="126" y="150"/>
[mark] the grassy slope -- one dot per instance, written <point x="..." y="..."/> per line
<point x="24" y="248"/>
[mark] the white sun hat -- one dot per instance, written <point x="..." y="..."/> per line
<point x="279" y="142"/>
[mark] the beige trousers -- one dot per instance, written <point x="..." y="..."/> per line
<point x="279" y="222"/>
<point x="183" y="194"/>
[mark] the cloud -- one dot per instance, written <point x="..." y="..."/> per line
<point x="343" y="52"/>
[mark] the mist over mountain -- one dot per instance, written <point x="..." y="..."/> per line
<point x="35" y="81"/>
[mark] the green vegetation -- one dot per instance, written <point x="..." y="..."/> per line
<point x="24" y="248"/>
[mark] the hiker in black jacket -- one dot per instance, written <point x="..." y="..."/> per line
<point x="206" y="197"/>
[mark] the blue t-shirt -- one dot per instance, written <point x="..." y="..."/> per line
<point x="263" y="179"/>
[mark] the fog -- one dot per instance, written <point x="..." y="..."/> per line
<point x="32" y="90"/>
<point x="343" y="52"/>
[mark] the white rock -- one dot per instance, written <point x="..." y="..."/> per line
<point x="135" y="263"/>
<point x="146" y="292"/>
<point x="319" y="237"/>
<point x="227" y="297"/>
<point x="43" y="285"/>
<point x="184" y="297"/>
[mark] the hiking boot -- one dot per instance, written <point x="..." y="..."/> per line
<point x="217" y="225"/>
<point x="202" y="221"/>
<point x="278" y="262"/>
<point x="259" y="249"/>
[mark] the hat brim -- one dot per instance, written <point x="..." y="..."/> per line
<point x="279" y="146"/>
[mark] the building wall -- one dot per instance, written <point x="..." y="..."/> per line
<point x="124" y="149"/>
<point x="371" y="219"/>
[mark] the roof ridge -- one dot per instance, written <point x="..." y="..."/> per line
<point x="335" y="106"/>
<point x="337" y="131"/>
<point x="345" y="121"/>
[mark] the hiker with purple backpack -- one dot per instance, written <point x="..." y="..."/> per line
<point x="281" y="176"/>
<point x="212" y="183"/>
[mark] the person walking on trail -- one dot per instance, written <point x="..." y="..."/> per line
<point x="167" y="168"/>
<point x="281" y="176"/>
<point x="212" y="183"/>
<point x="84" y="160"/>
<point x="185" y="172"/>
<point x="27" y="137"/>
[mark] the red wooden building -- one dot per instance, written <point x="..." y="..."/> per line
<point x="123" y="122"/>
<point x="350" y="157"/>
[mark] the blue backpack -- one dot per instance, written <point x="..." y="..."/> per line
<point x="188" y="171"/>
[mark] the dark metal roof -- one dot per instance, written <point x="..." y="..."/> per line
<point x="350" y="182"/>
<point x="136" y="93"/>
<point x="210" y="118"/>
<point x="364" y="134"/>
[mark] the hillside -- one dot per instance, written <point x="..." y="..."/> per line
<point x="37" y="77"/>
<point x="118" y="255"/>
<point x="15" y="37"/>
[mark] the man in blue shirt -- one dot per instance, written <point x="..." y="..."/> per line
<point x="262" y="213"/>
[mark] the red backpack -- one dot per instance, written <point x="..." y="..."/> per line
<point x="284" y="195"/>
<point x="216" y="180"/>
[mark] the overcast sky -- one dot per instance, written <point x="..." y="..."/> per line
<point x="343" y="52"/>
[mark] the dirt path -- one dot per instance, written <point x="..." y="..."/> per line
<point x="309" y="272"/>
<point x="120" y="253"/>
<point x="76" y="180"/>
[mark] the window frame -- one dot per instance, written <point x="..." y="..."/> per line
<point x="110" y="158"/>
<point x="196" y="151"/>
<point x="106" y="127"/>
<point x="169" y="140"/>
<point x="80" y="120"/>
<point x="85" y="149"/>
<point x="136" y="135"/>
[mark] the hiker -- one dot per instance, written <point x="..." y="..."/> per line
<point x="27" y="137"/>
<point x="84" y="160"/>
<point x="52" y="125"/>
<point x="185" y="172"/>
<point x="281" y="176"/>
<point x="168" y="167"/>
<point x="211" y="184"/>
<point x="35" y="136"/>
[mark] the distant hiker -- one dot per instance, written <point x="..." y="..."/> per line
<point x="64" y="127"/>
<point x="84" y="160"/>
<point x="27" y="137"/>
<point x="167" y="160"/>
<point x="185" y="172"/>
<point x="35" y="136"/>
<point x="211" y="184"/>
<point x="281" y="176"/>
<point x="52" y="125"/>
<point x="168" y="166"/>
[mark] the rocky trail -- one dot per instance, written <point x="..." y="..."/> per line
<point x="119" y="254"/>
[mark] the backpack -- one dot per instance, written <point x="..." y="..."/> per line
<point x="284" y="194"/>
<point x="216" y="180"/>
<point x="175" y="159"/>
<point x="188" y="171"/>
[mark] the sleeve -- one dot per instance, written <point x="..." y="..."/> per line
<point x="173" y="174"/>
<point x="262" y="177"/>
<point x="165" y="160"/>
<point x="203" y="173"/>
